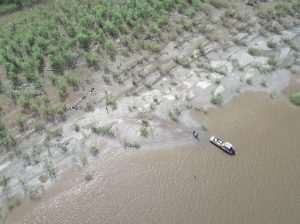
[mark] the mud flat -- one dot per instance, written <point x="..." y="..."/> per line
<point x="152" y="110"/>
<point x="195" y="183"/>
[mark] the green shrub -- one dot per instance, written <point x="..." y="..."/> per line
<point x="106" y="79"/>
<point x="263" y="83"/>
<point x="125" y="51"/>
<point x="296" y="7"/>
<point x="88" y="177"/>
<point x="20" y="122"/>
<point x="200" y="48"/>
<point x="266" y="12"/>
<point x="271" y="44"/>
<point x="49" y="111"/>
<point x="291" y="44"/>
<point x="104" y="130"/>
<point x="132" y="144"/>
<point x="34" y="195"/>
<point x="5" y="137"/>
<point x="218" y="3"/>
<point x="57" y="62"/>
<point x="8" y="8"/>
<point x="147" y="84"/>
<point x="76" y="127"/>
<point x="61" y="110"/>
<point x="110" y="48"/>
<point x="111" y="101"/>
<point x="56" y="132"/>
<point x="152" y="46"/>
<point x="110" y="28"/>
<point x="84" y="40"/>
<point x="283" y="9"/>
<point x="90" y="59"/>
<point x="13" y="202"/>
<point x="39" y="125"/>
<point x="253" y="51"/>
<point x="295" y="98"/>
<point x="62" y="90"/>
<point x="216" y="100"/>
<point x="49" y="168"/>
<point x="263" y="68"/>
<point x="174" y="113"/>
<point x="132" y="107"/>
<point x="25" y="102"/>
<point x="184" y="62"/>
<point x="251" y="2"/>
<point x="71" y="79"/>
<point x="53" y="78"/>
<point x="249" y="81"/>
<point x="94" y="151"/>
<point x="144" y="131"/>
<point x="272" y="60"/>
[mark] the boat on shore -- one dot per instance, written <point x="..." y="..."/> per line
<point x="225" y="146"/>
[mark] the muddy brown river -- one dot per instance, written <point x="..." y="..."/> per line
<point x="194" y="184"/>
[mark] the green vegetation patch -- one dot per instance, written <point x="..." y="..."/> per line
<point x="132" y="144"/>
<point x="46" y="42"/>
<point x="295" y="98"/>
<point x="253" y="51"/>
<point x="217" y="100"/>
<point x="103" y="130"/>
<point x="271" y="44"/>
<point x="5" y="138"/>
<point x="8" y="6"/>
<point x="174" y="114"/>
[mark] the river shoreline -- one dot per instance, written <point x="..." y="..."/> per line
<point x="71" y="182"/>
<point x="224" y="70"/>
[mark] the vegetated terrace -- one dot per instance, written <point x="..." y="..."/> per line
<point x="41" y="45"/>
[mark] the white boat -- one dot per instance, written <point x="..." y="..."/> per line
<point x="225" y="146"/>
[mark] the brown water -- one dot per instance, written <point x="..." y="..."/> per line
<point x="196" y="184"/>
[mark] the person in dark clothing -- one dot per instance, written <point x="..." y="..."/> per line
<point x="195" y="134"/>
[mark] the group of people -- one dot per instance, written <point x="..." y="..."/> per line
<point x="75" y="105"/>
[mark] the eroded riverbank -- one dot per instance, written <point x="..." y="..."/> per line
<point x="192" y="184"/>
<point x="206" y="64"/>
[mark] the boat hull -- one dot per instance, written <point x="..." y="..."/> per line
<point x="220" y="144"/>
